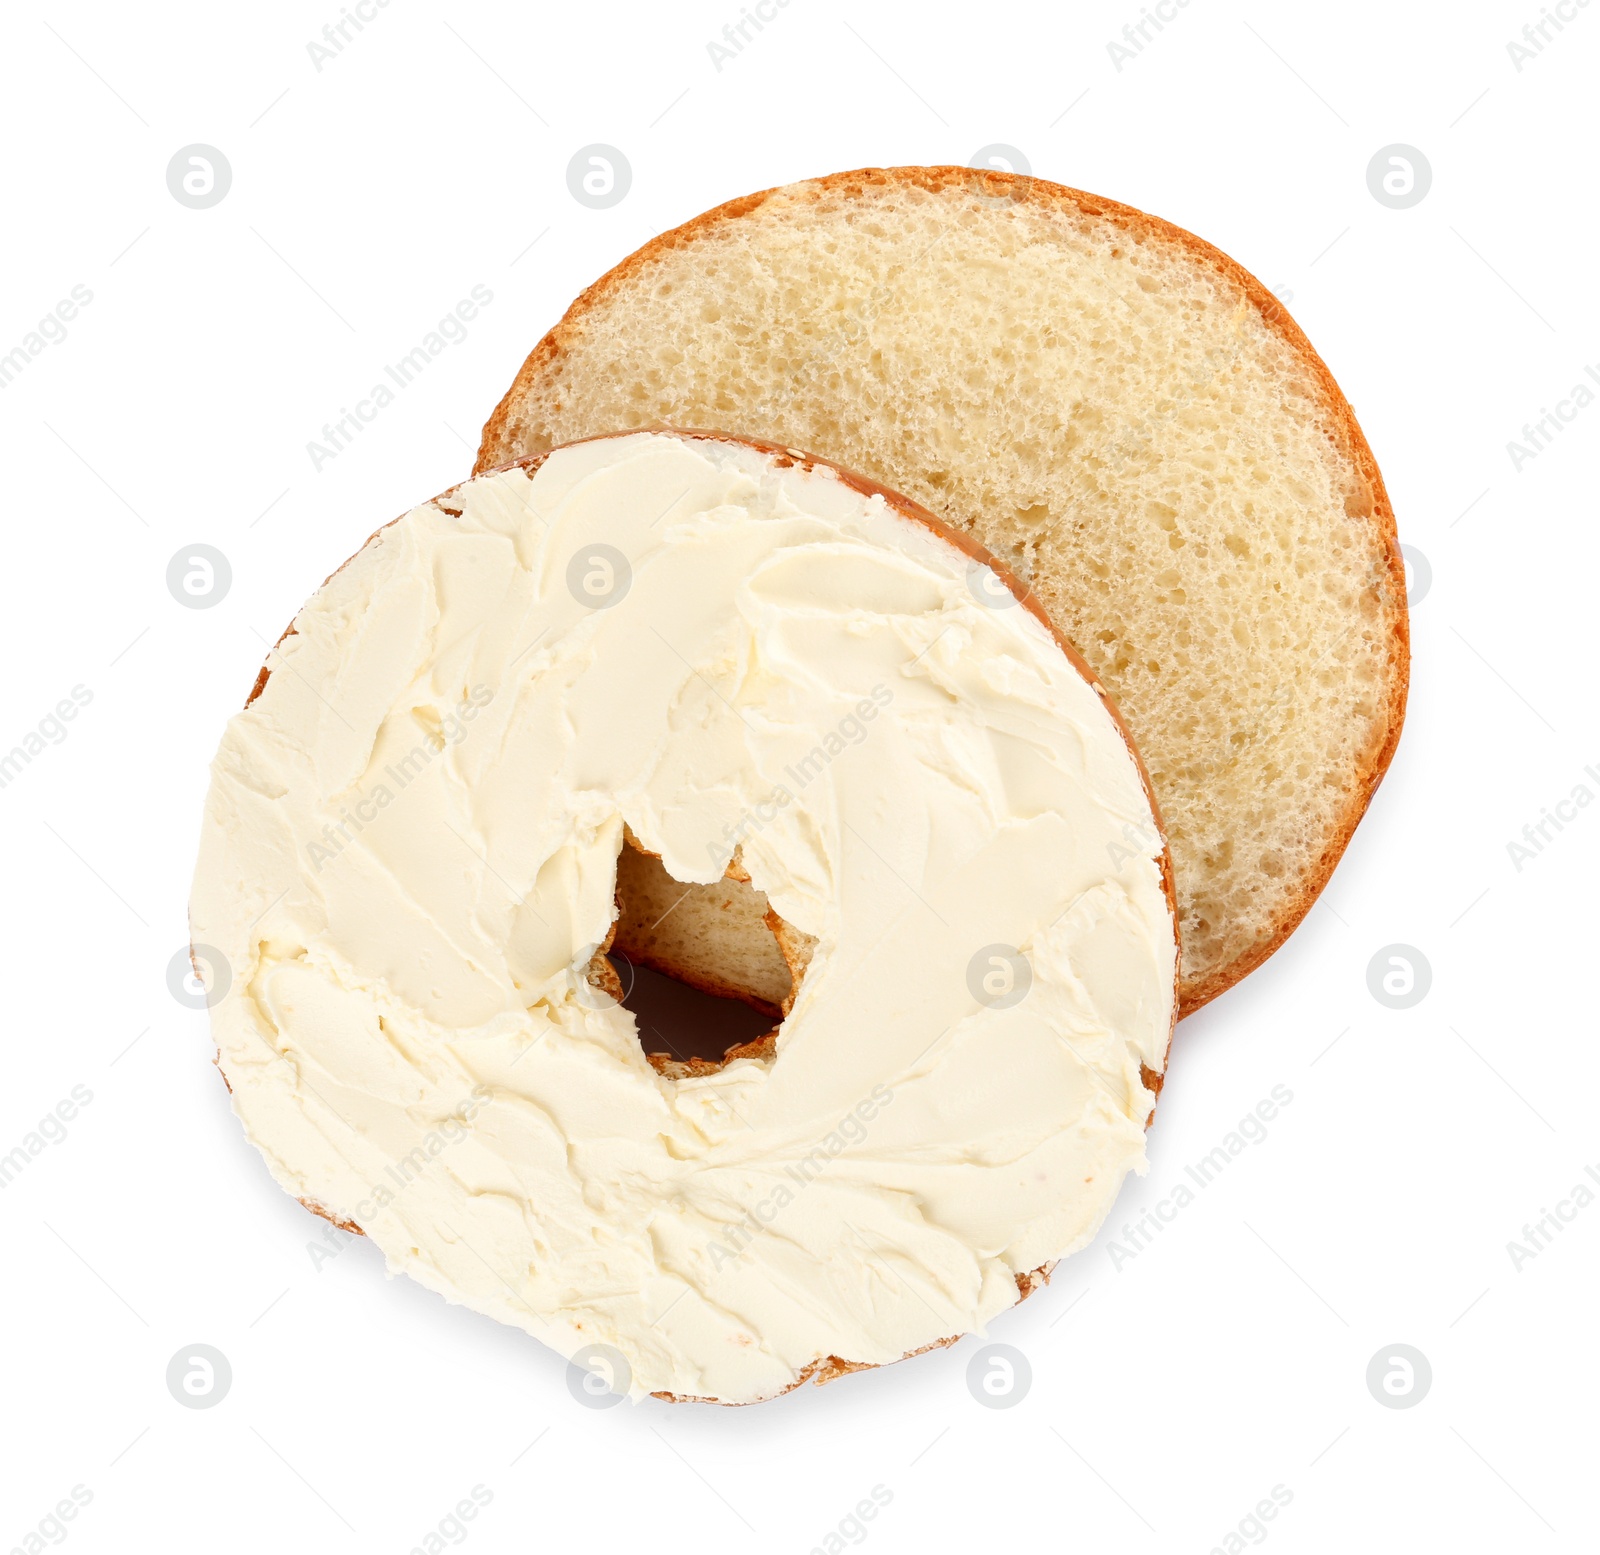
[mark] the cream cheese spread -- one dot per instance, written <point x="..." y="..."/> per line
<point x="409" y="856"/>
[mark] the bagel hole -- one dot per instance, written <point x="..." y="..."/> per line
<point x="700" y="965"/>
<point x="681" y="1024"/>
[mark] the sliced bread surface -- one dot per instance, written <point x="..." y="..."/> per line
<point x="1117" y="410"/>
<point x="714" y="937"/>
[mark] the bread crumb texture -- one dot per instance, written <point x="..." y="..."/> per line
<point x="1111" y="407"/>
<point x="715" y="937"/>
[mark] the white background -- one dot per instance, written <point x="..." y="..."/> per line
<point x="1169" y="1396"/>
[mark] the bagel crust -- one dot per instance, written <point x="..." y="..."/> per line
<point x="291" y="1049"/>
<point x="1115" y="407"/>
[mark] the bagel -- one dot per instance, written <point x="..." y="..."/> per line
<point x="761" y="669"/>
<point x="1116" y="409"/>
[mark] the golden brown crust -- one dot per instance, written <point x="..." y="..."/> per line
<point x="828" y="1368"/>
<point x="764" y="1048"/>
<point x="603" y="977"/>
<point x="795" y="946"/>
<point x="499" y="441"/>
<point x="328" y="1215"/>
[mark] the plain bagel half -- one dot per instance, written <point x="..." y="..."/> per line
<point x="1119" y="411"/>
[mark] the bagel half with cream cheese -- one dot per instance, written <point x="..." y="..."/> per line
<point x="756" y="666"/>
